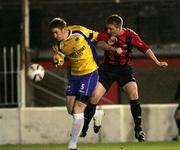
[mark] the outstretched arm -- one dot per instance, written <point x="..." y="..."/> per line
<point x="151" y="55"/>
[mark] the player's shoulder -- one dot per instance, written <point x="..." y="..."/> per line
<point x="104" y="33"/>
<point x="77" y="27"/>
<point x="130" y="32"/>
<point x="80" y="29"/>
<point x="103" y="36"/>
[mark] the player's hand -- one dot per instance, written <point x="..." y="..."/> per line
<point x="58" y="60"/>
<point x="119" y="50"/>
<point x="162" y="64"/>
<point x="112" y="40"/>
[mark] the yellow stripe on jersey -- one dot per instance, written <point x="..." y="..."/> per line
<point x="78" y="51"/>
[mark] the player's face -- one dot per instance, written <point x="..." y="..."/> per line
<point x="58" y="33"/>
<point x="113" y="30"/>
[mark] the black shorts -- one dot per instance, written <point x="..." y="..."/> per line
<point x="110" y="73"/>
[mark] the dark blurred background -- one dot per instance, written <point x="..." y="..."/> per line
<point x="157" y="21"/>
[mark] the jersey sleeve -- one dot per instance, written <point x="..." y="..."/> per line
<point x="56" y="51"/>
<point x="55" y="48"/>
<point x="138" y="43"/>
<point x="58" y="56"/>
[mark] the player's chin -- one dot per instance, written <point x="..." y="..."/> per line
<point x="112" y="34"/>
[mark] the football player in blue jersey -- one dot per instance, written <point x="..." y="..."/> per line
<point x="76" y="43"/>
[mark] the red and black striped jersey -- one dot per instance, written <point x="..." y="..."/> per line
<point x="126" y="41"/>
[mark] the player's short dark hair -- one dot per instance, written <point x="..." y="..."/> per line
<point x="57" y="23"/>
<point x="115" y="20"/>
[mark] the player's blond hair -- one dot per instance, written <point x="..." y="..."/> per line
<point x="57" y="23"/>
<point x="115" y="20"/>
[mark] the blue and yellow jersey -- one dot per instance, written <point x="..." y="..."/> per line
<point x="79" y="49"/>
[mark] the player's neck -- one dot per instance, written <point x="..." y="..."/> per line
<point x="121" y="32"/>
<point x="66" y="34"/>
